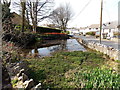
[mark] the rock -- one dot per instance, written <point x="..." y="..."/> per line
<point x="20" y="73"/>
<point x="20" y="78"/>
<point x="7" y="87"/>
<point x="28" y="84"/>
<point x="18" y="64"/>
<point x="38" y="86"/>
<point x="24" y="77"/>
<point x="6" y="81"/>
<point x="16" y="69"/>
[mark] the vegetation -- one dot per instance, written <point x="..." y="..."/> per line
<point x="14" y="82"/>
<point x="6" y="16"/>
<point x="66" y="32"/>
<point x="90" y="33"/>
<point x="61" y="16"/>
<point x="116" y="33"/>
<point x="98" y="78"/>
<point x="62" y="70"/>
<point x="20" y="39"/>
<point x="73" y="70"/>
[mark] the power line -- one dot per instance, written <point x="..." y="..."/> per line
<point x="115" y="4"/>
<point x="83" y="9"/>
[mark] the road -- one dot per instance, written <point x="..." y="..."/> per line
<point x="113" y="44"/>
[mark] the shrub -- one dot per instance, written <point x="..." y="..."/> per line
<point x="90" y="33"/>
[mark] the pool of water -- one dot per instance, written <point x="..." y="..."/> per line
<point x="65" y="45"/>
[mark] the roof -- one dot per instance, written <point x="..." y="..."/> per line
<point x="82" y="28"/>
<point x="94" y="26"/>
<point x="17" y="19"/>
<point x="110" y="25"/>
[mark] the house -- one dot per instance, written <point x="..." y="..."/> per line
<point x="94" y="27"/>
<point x="17" y="19"/>
<point x="83" y="30"/>
<point x="109" y="28"/>
<point x="91" y="28"/>
<point x="73" y="31"/>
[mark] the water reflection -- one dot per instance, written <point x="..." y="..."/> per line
<point x="65" y="45"/>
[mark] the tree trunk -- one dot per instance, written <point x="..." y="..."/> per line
<point x="23" y="16"/>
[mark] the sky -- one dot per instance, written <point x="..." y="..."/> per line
<point x="87" y="12"/>
<point x="91" y="13"/>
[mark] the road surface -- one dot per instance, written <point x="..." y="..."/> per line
<point x="113" y="44"/>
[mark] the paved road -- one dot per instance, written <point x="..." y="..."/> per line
<point x="113" y="44"/>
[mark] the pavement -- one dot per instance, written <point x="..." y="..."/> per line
<point x="114" y="44"/>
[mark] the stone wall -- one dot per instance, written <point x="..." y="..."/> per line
<point x="111" y="52"/>
<point x="19" y="77"/>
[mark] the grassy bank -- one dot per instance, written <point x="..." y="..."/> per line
<point x="74" y="70"/>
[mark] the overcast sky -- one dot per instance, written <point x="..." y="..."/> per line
<point x="91" y="14"/>
<point x="84" y="16"/>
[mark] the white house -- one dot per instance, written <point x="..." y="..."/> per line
<point x="91" y="28"/>
<point x="73" y="31"/>
<point x="108" y="29"/>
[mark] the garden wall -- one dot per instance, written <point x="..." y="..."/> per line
<point x="111" y="52"/>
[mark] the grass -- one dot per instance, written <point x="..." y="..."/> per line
<point x="97" y="78"/>
<point x="73" y="70"/>
<point x="14" y="82"/>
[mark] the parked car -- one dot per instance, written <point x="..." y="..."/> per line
<point x="118" y="36"/>
<point x="108" y="38"/>
<point x="97" y="34"/>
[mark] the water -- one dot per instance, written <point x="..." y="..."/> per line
<point x="65" y="45"/>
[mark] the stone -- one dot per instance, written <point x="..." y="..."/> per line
<point x="29" y="84"/>
<point x="6" y="81"/>
<point x="16" y="69"/>
<point x="20" y="78"/>
<point x="18" y="64"/>
<point x="20" y="73"/>
<point x="38" y="86"/>
<point x="24" y="77"/>
<point x="7" y="87"/>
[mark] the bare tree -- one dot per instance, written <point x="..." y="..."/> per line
<point x="38" y="10"/>
<point x="35" y="10"/>
<point x="61" y="16"/>
<point x="23" y="5"/>
<point x="6" y="16"/>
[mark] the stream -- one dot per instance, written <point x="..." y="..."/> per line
<point x="62" y="45"/>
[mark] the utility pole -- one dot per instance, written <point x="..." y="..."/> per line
<point x="101" y="19"/>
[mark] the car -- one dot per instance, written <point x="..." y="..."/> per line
<point x="97" y="34"/>
<point x="108" y="38"/>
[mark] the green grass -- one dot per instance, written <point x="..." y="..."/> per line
<point x="14" y="82"/>
<point x="97" y="78"/>
<point x="73" y="70"/>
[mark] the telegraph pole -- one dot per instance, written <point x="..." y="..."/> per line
<point x="101" y="19"/>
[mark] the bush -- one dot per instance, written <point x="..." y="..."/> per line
<point x="90" y="33"/>
<point x="19" y="38"/>
<point x="67" y="32"/>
